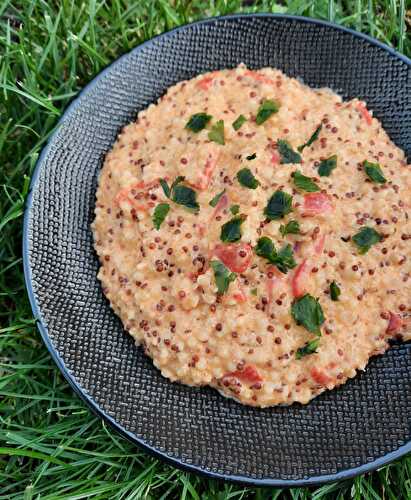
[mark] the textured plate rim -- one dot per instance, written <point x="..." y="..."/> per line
<point x="177" y="462"/>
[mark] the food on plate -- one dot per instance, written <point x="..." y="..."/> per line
<point x="254" y="235"/>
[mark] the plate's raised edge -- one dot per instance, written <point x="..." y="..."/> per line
<point x="309" y="481"/>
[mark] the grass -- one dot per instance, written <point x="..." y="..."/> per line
<point x="51" y="446"/>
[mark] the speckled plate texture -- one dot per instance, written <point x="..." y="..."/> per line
<point x="353" y="429"/>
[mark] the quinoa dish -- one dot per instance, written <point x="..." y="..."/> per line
<point x="254" y="235"/>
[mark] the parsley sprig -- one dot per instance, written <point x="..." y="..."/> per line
<point x="246" y="178"/>
<point x="366" y="238"/>
<point x="266" y="109"/>
<point x="307" y="312"/>
<point x="223" y="277"/>
<point x="313" y="138"/>
<point x="287" y="154"/>
<point x="197" y="122"/>
<point x="181" y="194"/>
<point x="279" y="205"/>
<point x="304" y="183"/>
<point x="231" y="230"/>
<point x="283" y="259"/>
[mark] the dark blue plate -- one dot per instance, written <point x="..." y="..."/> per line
<point x="351" y="430"/>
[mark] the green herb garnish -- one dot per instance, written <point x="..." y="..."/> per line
<point x="335" y="291"/>
<point x="304" y="183"/>
<point x="313" y="138"/>
<point x="198" y="121"/>
<point x="165" y="187"/>
<point x="283" y="260"/>
<point x="234" y="209"/>
<point x="327" y="166"/>
<point x="365" y="238"/>
<point x="246" y="178"/>
<point x="278" y="205"/>
<point x="180" y="194"/>
<point x="185" y="196"/>
<point x="177" y="180"/>
<point x="216" y="133"/>
<point x="239" y="122"/>
<point x="231" y="230"/>
<point x="374" y="172"/>
<point x="308" y="348"/>
<point x="254" y="291"/>
<point x="292" y="227"/>
<point x="287" y="154"/>
<point x="266" y="109"/>
<point x="251" y="157"/>
<point x="216" y="199"/>
<point x="160" y="213"/>
<point x="307" y="312"/>
<point x="223" y="277"/>
<point x="265" y="248"/>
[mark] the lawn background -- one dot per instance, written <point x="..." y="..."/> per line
<point x="51" y="446"/>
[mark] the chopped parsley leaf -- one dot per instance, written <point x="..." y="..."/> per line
<point x="287" y="154"/>
<point x="292" y="227"/>
<point x="251" y="157"/>
<point x="365" y="238"/>
<point x="327" y="166"/>
<point x="216" y="133"/>
<point x="266" y="109"/>
<point x="308" y="348"/>
<point x="307" y="312"/>
<point x="216" y="199"/>
<point x="265" y="248"/>
<point x="185" y="196"/>
<point x="231" y="230"/>
<point x="246" y="178"/>
<point x="166" y="189"/>
<point x="160" y="213"/>
<point x="304" y="183"/>
<point x="283" y="260"/>
<point x="374" y="172"/>
<point x="239" y="122"/>
<point x="234" y="209"/>
<point x="335" y="291"/>
<point x="313" y="138"/>
<point x="180" y="194"/>
<point x="254" y="291"/>
<point x="223" y="277"/>
<point x="198" y="121"/>
<point x="278" y="205"/>
<point x="177" y="180"/>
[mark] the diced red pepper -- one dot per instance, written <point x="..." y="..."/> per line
<point x="365" y="113"/>
<point x="395" y="323"/>
<point x="204" y="177"/>
<point x="202" y="229"/>
<point x="248" y="374"/>
<point x="319" y="245"/>
<point x="275" y="158"/>
<point x="317" y="204"/>
<point x="221" y="205"/>
<point x="240" y="295"/>
<point x="236" y="256"/>
<point x="299" y="279"/>
<point x="320" y="376"/>
<point x="206" y="82"/>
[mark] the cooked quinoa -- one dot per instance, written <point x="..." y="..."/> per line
<point x="254" y="235"/>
